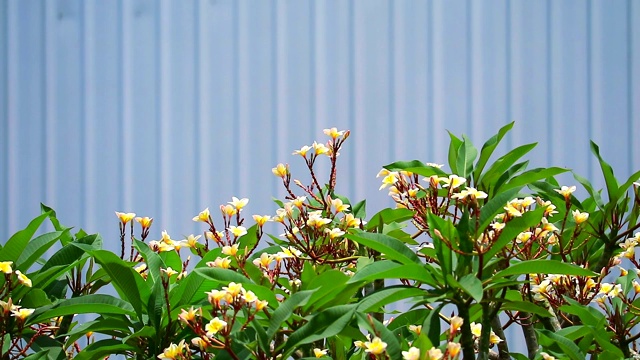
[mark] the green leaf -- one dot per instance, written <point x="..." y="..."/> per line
<point x="103" y="348"/>
<point x="224" y="276"/>
<point x="496" y="205"/>
<point x="607" y="172"/>
<point x="359" y="210"/>
<point x="526" y="307"/>
<point x="467" y="154"/>
<point x="431" y="325"/>
<point x="388" y="295"/>
<point x="595" y="195"/>
<point x="36" y="248"/>
<point x="388" y="216"/>
<point x="568" y="347"/>
<point x="472" y="286"/>
<point x="393" y="345"/>
<point x="624" y="187"/>
<point x="543" y="266"/>
<point x="588" y="315"/>
<point x="285" y="310"/>
<point x="17" y="243"/>
<point x="487" y="150"/>
<point x="113" y="326"/>
<point x="454" y="147"/>
<point x="533" y="175"/>
<point x="127" y="282"/>
<point x="86" y="304"/>
<point x="504" y="163"/>
<point x="325" y="324"/>
<point x="513" y="228"/>
<point x="387" y="269"/>
<point x="393" y="248"/>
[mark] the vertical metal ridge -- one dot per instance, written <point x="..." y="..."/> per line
<point x="234" y="154"/>
<point x="549" y="84"/>
<point x="508" y="50"/>
<point x="469" y="69"/>
<point x="312" y="71"/>
<point x="125" y="103"/>
<point x="48" y="104"/>
<point x="4" y="125"/>
<point x="83" y="112"/>
<point x="391" y="80"/>
<point x="352" y="80"/>
<point x="430" y="81"/>
<point x="589" y="85"/>
<point x="197" y="107"/>
<point x="629" y="89"/>
<point x="275" y="120"/>
<point x="162" y="108"/>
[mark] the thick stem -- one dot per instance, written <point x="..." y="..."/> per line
<point x="503" y="348"/>
<point x="466" y="338"/>
<point x="530" y="337"/>
<point x="483" y="352"/>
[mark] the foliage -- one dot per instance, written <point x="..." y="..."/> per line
<point x="502" y="245"/>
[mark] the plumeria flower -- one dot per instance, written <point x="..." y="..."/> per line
<point x="453" y="181"/>
<point x="471" y="193"/>
<point x="169" y="271"/>
<point x="261" y="304"/>
<point x="223" y="263"/>
<point x="174" y="351"/>
<point x="610" y="290"/>
<point x="339" y="206"/>
<point x="580" y="217"/>
<point x="412" y="354"/>
<point x="494" y="339"/>
<point x="228" y="210"/>
<point x="125" y="217"/>
<point x="303" y="151"/>
<point x="234" y="289"/>
<point x="320" y="148"/>
<point x="375" y="347"/>
<point x="22" y="313"/>
<point x="249" y="297"/>
<point x="237" y="231"/>
<point x="351" y="221"/>
<point x="417" y="329"/>
<point x="333" y="133"/>
<point x="263" y="261"/>
<point x="299" y="201"/>
<point x="238" y="203"/>
<point x="476" y="329"/>
<point x="523" y="237"/>
<point x="456" y="323"/>
<point x="453" y="349"/>
<point x="280" y="170"/>
<point x="145" y="222"/>
<point x="512" y="210"/>
<point x="230" y="250"/>
<point x="188" y="315"/>
<point x="23" y="279"/>
<point x="214" y="326"/>
<point x="261" y="220"/>
<point x="5" y="267"/>
<point x="434" y="354"/>
<point x="437" y="166"/>
<point x="317" y="222"/>
<point x="319" y="352"/>
<point x="191" y="240"/>
<point x="199" y="342"/>
<point x="566" y="191"/>
<point x="334" y="233"/>
<point x="546" y="356"/>
<point x="203" y="216"/>
<point x="390" y="179"/>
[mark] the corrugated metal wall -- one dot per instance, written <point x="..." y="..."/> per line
<point x="166" y="107"/>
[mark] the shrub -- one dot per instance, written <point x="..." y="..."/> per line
<point x="501" y="245"/>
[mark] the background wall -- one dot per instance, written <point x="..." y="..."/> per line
<point x="166" y="107"/>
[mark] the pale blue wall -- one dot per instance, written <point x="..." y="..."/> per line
<point x="165" y="107"/>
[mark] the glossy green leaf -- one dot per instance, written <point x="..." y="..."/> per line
<point x="103" y="348"/>
<point x="504" y="163"/>
<point x="513" y="228"/>
<point x="386" y="296"/>
<point x="36" y="248"/>
<point x="607" y="172"/>
<point x="526" y="306"/>
<point x="393" y="248"/>
<point x="17" y="243"/>
<point x="533" y="175"/>
<point x="487" y="150"/>
<point x="387" y="269"/>
<point x="568" y="347"/>
<point x="86" y="304"/>
<point x="495" y="206"/>
<point x="467" y="154"/>
<point x="454" y="147"/>
<point x="543" y="266"/>
<point x="388" y="216"/>
<point x="472" y="286"/>
<point x="285" y="310"/>
<point x="325" y="324"/>
<point x="224" y="276"/>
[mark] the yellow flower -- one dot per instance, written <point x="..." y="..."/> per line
<point x="412" y="354"/>
<point x="261" y="220"/>
<point x="494" y="339"/>
<point x="333" y="132"/>
<point x="199" y="342"/>
<point x="334" y="233"/>
<point x="237" y="231"/>
<point x="319" y="148"/>
<point x="453" y="181"/>
<point x="125" y="217"/>
<point x="543" y="288"/>
<point x="203" y="216"/>
<point x="223" y="263"/>
<point x="23" y="279"/>
<point x="238" y="203"/>
<point x="456" y="323"/>
<point x="319" y="352"/>
<point x="417" y="329"/>
<point x="636" y="286"/>
<point x="5" y="267"/>
<point x="234" y="289"/>
<point x="453" y="349"/>
<point x="261" y="304"/>
<point x="383" y="172"/>
<point x="299" y="201"/>
<point x="215" y="296"/>
<point x="512" y="210"/>
<point x="145" y="222"/>
<point x="303" y="151"/>
<point x="169" y="271"/>
<point x="249" y="297"/>
<point x="317" y="221"/>
<point x="173" y="352"/>
<point x="339" y="205"/>
<point x="524" y="236"/>
<point x="390" y="179"/>
<point x="188" y="315"/>
<point x="470" y="193"/>
<point x="214" y="326"/>
<point x="434" y="354"/>
<point x="566" y="191"/>
<point x="476" y="329"/>
<point x="546" y="356"/>
<point x="191" y="240"/>
<point x="280" y="170"/>
<point x="228" y="210"/>
<point x="263" y="261"/>
<point x="22" y="313"/>
<point x="290" y="251"/>
<point x="375" y="347"/>
<point x="230" y="250"/>
<point x="547" y="226"/>
<point x="580" y="217"/>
